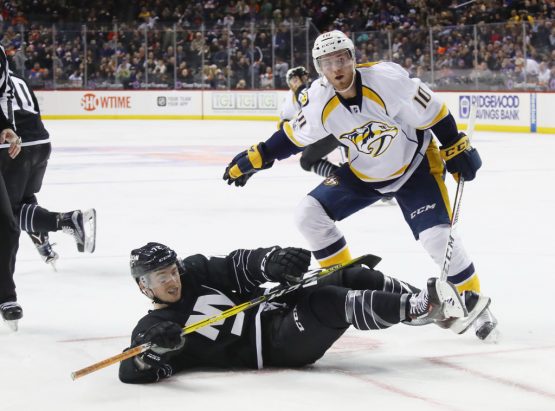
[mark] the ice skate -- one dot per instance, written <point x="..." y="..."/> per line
<point x="437" y="302"/>
<point x="44" y="248"/>
<point x="11" y="313"/>
<point x="485" y="326"/>
<point x="478" y="315"/>
<point x="82" y="226"/>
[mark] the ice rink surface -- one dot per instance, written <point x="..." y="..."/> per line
<point x="161" y="181"/>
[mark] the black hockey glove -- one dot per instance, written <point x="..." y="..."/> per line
<point x="461" y="159"/>
<point x="245" y="164"/>
<point x="165" y="334"/>
<point x="287" y="265"/>
<point x="166" y="340"/>
<point x="159" y="362"/>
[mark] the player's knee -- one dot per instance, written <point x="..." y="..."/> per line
<point x="327" y="305"/>
<point x="361" y="278"/>
<point x="310" y="216"/>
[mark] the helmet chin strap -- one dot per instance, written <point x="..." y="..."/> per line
<point x="350" y="85"/>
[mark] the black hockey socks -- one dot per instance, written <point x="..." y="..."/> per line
<point x="375" y="310"/>
<point x="360" y="278"/>
<point x="393" y="285"/>
<point x="35" y="219"/>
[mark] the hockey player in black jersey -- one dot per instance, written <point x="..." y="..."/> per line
<point x="292" y="331"/>
<point x="24" y="177"/>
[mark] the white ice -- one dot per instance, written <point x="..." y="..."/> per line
<point x="161" y="181"/>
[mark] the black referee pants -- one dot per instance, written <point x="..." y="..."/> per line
<point x="9" y="243"/>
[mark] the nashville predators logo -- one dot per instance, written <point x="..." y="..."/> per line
<point x="303" y="97"/>
<point x="331" y="181"/>
<point x="373" y="138"/>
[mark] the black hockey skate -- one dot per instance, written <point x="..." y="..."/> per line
<point x="11" y="313"/>
<point x="479" y="315"/>
<point x="44" y="248"/>
<point x="437" y="302"/>
<point x="82" y="226"/>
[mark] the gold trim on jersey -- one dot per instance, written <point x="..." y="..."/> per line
<point x="334" y="102"/>
<point x="436" y="170"/>
<point x="369" y="64"/>
<point x="364" y="177"/>
<point x="440" y="116"/>
<point x="329" y="107"/>
<point x="289" y="133"/>
<point x="375" y="97"/>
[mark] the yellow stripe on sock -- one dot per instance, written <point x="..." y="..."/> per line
<point x="472" y="284"/>
<point x="341" y="257"/>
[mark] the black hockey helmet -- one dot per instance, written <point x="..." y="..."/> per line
<point x="299" y="72"/>
<point x="149" y="258"/>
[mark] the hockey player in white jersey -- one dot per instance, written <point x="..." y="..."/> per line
<point x="386" y="120"/>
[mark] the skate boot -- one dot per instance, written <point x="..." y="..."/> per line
<point x="81" y="225"/>
<point x="437" y="302"/>
<point x="44" y="248"/>
<point x="479" y="316"/>
<point x="11" y="313"/>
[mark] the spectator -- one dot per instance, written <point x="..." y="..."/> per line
<point x="544" y="75"/>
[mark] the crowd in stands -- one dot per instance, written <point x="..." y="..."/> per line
<point x="244" y="44"/>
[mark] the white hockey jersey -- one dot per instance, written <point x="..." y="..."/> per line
<point x="381" y="133"/>
<point x="290" y="107"/>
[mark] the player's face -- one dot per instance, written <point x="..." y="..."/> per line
<point x="165" y="284"/>
<point x="338" y="68"/>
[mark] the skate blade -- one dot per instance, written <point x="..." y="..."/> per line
<point x="89" y="225"/>
<point x="460" y="326"/>
<point x="53" y="265"/>
<point x="12" y="324"/>
<point x="493" y="337"/>
<point x="452" y="304"/>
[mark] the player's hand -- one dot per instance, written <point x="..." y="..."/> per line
<point x="165" y="334"/>
<point x="245" y="164"/>
<point x="166" y="340"/>
<point x="9" y="136"/>
<point x="461" y="159"/>
<point x="288" y="265"/>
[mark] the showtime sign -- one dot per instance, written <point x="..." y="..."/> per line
<point x="92" y="102"/>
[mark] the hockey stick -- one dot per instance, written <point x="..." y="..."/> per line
<point x="368" y="259"/>
<point x="457" y="203"/>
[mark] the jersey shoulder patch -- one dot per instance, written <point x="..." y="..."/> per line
<point x="303" y="97"/>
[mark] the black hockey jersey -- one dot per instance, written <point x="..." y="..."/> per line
<point x="210" y="286"/>
<point x="26" y="113"/>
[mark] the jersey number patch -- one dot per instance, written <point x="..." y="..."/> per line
<point x="422" y="97"/>
<point x="22" y="100"/>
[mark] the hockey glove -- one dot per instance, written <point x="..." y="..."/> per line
<point x="287" y="265"/>
<point x="165" y="334"/>
<point x="461" y="159"/>
<point x="245" y="164"/>
<point x="166" y="341"/>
